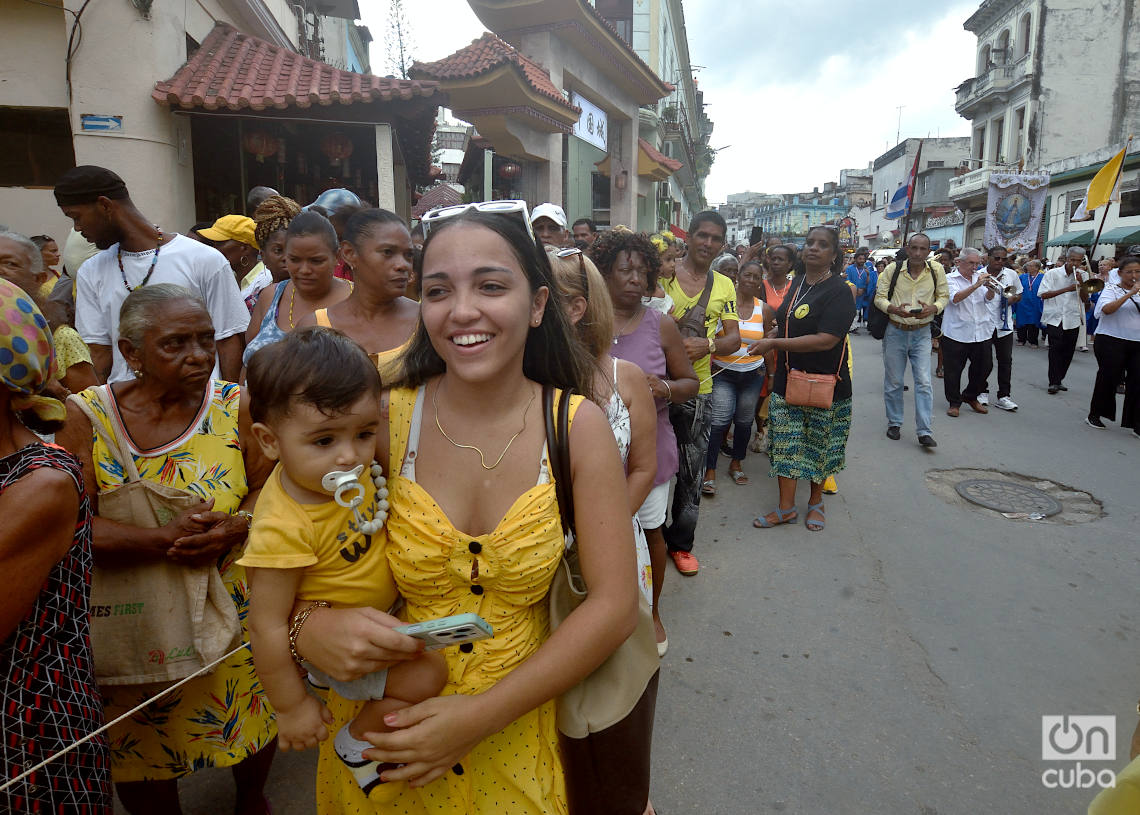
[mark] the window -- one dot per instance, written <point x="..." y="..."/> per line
<point x="35" y="146"/>
<point x="980" y="144"/>
<point x="930" y="164"/>
<point x="997" y="130"/>
<point x="1001" y="53"/>
<point x="1129" y="203"/>
<point x="1026" y="34"/>
<point x="1019" y="135"/>
<point x="983" y="60"/>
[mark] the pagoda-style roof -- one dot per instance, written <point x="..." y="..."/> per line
<point x="236" y="73"/>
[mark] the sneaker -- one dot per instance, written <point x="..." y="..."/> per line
<point x="829" y="486"/>
<point x="927" y="441"/>
<point x="1136" y="433"/>
<point x="1062" y="388"/>
<point x="1005" y="403"/>
<point x="1020" y="343"/>
<point x="686" y="563"/>
<point x="984" y="398"/>
<point x="1034" y="345"/>
<point x="1053" y="389"/>
<point x="893" y="433"/>
<point x="1094" y="421"/>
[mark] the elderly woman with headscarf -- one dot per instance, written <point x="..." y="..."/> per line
<point x="47" y="678"/>
<point x="20" y="262"/>
<point x="179" y="428"/>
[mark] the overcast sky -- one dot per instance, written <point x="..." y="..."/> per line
<point x="796" y="89"/>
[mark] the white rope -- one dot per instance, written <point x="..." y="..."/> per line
<point x="203" y="670"/>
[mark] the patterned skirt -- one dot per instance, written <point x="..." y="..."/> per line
<point x="807" y="443"/>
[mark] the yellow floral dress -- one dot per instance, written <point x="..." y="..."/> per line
<point x="70" y="349"/>
<point x="222" y="718"/>
<point x="517" y="770"/>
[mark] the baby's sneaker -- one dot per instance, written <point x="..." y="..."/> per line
<point x="364" y="771"/>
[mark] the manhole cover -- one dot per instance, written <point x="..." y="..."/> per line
<point x="1007" y="496"/>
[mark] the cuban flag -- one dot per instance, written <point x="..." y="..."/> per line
<point x="899" y="206"/>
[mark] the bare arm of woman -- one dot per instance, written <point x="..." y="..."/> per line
<point x="79" y="376"/>
<point x="301" y="718"/>
<point x="796" y="345"/>
<point x="432" y="736"/>
<point x="119" y="544"/>
<point x="683" y="382"/>
<point x="39" y="514"/>
<point x="641" y="464"/>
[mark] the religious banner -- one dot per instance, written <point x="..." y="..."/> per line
<point x="1013" y="210"/>
<point x="848" y="233"/>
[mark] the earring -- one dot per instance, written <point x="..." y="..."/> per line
<point x="138" y="373"/>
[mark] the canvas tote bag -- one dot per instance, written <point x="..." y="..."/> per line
<point x="156" y="621"/>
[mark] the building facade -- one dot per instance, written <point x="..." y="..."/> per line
<point x="201" y="110"/>
<point x="554" y="91"/>
<point x="1054" y="80"/>
<point x="893" y="168"/>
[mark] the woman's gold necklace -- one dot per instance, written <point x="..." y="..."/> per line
<point x="482" y="458"/>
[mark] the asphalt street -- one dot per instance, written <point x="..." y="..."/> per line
<point x="900" y="661"/>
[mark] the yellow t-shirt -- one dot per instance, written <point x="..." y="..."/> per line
<point x="722" y="306"/>
<point x="341" y="565"/>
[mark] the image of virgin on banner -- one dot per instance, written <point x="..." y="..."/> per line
<point x="1013" y="209"/>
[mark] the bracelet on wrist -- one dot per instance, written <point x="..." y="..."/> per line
<point x="668" y="392"/>
<point x="298" y="623"/>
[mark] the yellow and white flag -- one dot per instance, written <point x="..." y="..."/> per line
<point x="1104" y="187"/>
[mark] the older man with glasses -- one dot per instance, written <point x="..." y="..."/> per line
<point x="911" y="293"/>
<point x="967" y="332"/>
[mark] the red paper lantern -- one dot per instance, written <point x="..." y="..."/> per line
<point x="509" y="170"/>
<point x="337" y="147"/>
<point x="260" y="143"/>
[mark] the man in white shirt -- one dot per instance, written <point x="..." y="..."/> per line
<point x="135" y="253"/>
<point x="1062" y="314"/>
<point x="1001" y="307"/>
<point x="967" y="333"/>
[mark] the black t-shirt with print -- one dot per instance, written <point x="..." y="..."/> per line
<point x="828" y="307"/>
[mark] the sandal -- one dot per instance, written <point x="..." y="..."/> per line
<point x="811" y="524"/>
<point x="940" y="373"/>
<point x="738" y="477"/>
<point x="784" y="516"/>
<point x="708" y="487"/>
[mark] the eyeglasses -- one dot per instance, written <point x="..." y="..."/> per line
<point x="505" y="207"/>
<point x="570" y="252"/>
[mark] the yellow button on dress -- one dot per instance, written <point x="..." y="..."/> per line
<point x="516" y="771"/>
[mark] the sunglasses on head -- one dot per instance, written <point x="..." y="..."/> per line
<point x="570" y="252"/>
<point x="512" y="208"/>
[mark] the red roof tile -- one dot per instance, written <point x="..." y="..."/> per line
<point x="444" y="195"/>
<point x="485" y="55"/>
<point x="234" y="71"/>
<point x="669" y="163"/>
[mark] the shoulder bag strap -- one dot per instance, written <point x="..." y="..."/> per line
<point x="894" y="282"/>
<point x="702" y="303"/>
<point x="116" y="445"/>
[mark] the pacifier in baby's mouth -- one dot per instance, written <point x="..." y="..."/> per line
<point x="349" y="493"/>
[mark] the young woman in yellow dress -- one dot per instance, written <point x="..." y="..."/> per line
<point x="474" y="527"/>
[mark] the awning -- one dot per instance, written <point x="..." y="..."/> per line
<point x="1080" y="237"/>
<point x="234" y="73"/>
<point x="651" y="163"/>
<point x="1122" y="236"/>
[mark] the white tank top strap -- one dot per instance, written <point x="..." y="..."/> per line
<point x="408" y="468"/>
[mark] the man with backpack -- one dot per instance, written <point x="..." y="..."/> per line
<point x="909" y="294"/>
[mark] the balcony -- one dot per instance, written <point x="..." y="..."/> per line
<point x="974" y="184"/>
<point x="997" y="84"/>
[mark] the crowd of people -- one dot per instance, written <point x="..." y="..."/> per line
<point x="333" y="426"/>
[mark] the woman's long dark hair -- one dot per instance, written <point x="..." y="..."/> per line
<point x="553" y="354"/>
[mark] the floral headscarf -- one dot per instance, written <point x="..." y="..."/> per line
<point x="27" y="355"/>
